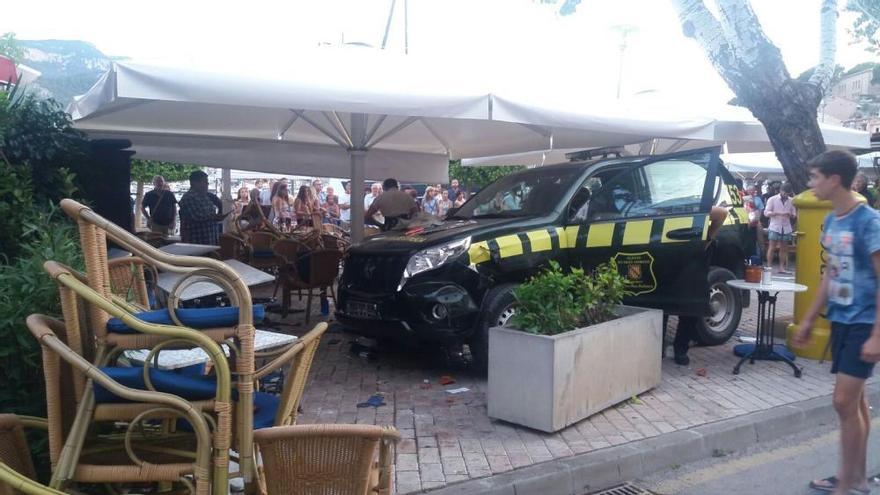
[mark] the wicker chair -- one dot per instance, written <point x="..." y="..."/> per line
<point x="160" y="458"/>
<point x="94" y="230"/>
<point x="306" y="270"/>
<point x="272" y="410"/>
<point x="16" y="466"/>
<point x="128" y="280"/>
<point x="321" y="459"/>
<point x="232" y="247"/>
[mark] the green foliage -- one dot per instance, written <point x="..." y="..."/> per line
<point x="865" y="26"/>
<point x="473" y="178"/>
<point x="555" y="302"/>
<point x="144" y="170"/>
<point x="25" y="288"/>
<point x="10" y="47"/>
<point x="40" y="136"/>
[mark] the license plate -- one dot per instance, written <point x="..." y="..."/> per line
<point x="360" y="309"/>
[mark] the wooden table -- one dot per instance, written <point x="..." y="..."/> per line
<point x="181" y="358"/>
<point x="249" y="274"/>
<point x="186" y="249"/>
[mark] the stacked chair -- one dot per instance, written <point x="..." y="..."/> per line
<point x="101" y="323"/>
<point x="115" y="424"/>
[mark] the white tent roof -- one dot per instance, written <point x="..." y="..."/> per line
<point x="297" y="118"/>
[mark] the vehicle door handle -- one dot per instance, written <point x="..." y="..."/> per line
<point x="685" y="234"/>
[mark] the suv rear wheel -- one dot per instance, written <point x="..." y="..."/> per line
<point x="725" y="303"/>
<point x="499" y="306"/>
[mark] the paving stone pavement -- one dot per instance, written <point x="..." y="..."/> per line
<point x="448" y="438"/>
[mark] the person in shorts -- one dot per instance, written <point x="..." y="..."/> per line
<point x="780" y="210"/>
<point x="851" y="240"/>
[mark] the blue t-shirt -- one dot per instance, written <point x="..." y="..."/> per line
<point x="849" y="242"/>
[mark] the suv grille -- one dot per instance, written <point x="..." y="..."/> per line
<point x="373" y="272"/>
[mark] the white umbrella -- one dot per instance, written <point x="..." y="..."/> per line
<point x="338" y="113"/>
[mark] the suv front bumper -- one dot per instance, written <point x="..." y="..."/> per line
<point x="426" y="312"/>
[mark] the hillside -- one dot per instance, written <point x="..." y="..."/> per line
<point x="68" y="67"/>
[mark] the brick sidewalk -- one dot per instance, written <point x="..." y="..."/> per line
<point x="449" y="438"/>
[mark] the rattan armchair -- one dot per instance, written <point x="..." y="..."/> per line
<point x="272" y="410"/>
<point x="17" y="472"/>
<point x="159" y="458"/>
<point x="322" y="459"/>
<point x="94" y="231"/>
<point x="306" y="270"/>
<point x="128" y="280"/>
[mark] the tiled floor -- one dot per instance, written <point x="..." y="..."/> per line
<point x="449" y="438"/>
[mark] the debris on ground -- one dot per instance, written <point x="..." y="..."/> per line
<point x="446" y="380"/>
<point x="425" y="385"/>
<point x="375" y="400"/>
<point x="701" y="372"/>
<point x="457" y="390"/>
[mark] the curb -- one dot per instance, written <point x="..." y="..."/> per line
<point x="603" y="468"/>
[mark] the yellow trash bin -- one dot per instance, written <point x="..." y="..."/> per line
<point x="811" y="259"/>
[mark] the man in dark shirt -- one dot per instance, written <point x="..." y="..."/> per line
<point x="198" y="217"/>
<point x="162" y="207"/>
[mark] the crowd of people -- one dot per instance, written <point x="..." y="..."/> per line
<point x="770" y="208"/>
<point x="272" y="201"/>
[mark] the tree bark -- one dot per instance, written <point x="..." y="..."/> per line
<point x="752" y="67"/>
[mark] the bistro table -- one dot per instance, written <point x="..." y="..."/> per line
<point x="181" y="358"/>
<point x="205" y="288"/>
<point x="186" y="249"/>
<point x="764" y="348"/>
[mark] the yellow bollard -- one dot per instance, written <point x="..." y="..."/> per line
<point x="810" y="265"/>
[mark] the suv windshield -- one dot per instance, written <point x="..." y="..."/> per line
<point x="535" y="192"/>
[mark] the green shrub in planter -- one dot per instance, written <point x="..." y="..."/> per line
<point x="554" y="301"/>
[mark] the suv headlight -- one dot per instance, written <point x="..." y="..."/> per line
<point x="434" y="257"/>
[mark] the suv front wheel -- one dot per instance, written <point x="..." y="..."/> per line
<point x="725" y="305"/>
<point x="499" y="305"/>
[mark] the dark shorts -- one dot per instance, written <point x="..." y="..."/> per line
<point x="846" y="349"/>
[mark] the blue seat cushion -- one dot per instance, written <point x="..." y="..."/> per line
<point x="226" y="316"/>
<point x="265" y="407"/>
<point x="182" y="383"/>
<point x="262" y="253"/>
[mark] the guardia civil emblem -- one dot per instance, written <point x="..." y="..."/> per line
<point x="637" y="269"/>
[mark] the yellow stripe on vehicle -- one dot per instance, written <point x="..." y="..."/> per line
<point x="479" y="252"/>
<point x="560" y="236"/>
<point x="671" y="224"/>
<point x="706" y="227"/>
<point x="569" y="238"/>
<point x="509" y="245"/>
<point x="571" y="235"/>
<point x="539" y="240"/>
<point x="600" y="235"/>
<point x="637" y="232"/>
<point x="741" y="213"/>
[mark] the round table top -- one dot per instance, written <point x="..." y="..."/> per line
<point x="773" y="286"/>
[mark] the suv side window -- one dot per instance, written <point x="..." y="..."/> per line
<point x="667" y="187"/>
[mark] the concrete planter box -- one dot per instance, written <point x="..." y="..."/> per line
<point x="550" y="382"/>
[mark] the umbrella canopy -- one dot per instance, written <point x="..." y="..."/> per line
<point x="339" y="113"/>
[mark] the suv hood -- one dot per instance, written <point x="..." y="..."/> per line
<point x="412" y="240"/>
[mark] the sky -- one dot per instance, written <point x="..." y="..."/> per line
<point x="517" y="42"/>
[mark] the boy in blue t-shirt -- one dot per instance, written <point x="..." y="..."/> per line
<point x="851" y="241"/>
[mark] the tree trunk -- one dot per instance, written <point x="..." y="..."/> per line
<point x="139" y="200"/>
<point x="789" y="115"/>
<point x="752" y="67"/>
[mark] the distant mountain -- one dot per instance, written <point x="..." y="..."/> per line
<point x="68" y="67"/>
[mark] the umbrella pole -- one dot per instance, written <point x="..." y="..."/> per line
<point x="358" y="155"/>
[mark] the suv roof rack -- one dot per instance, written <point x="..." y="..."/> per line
<point x="586" y="155"/>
